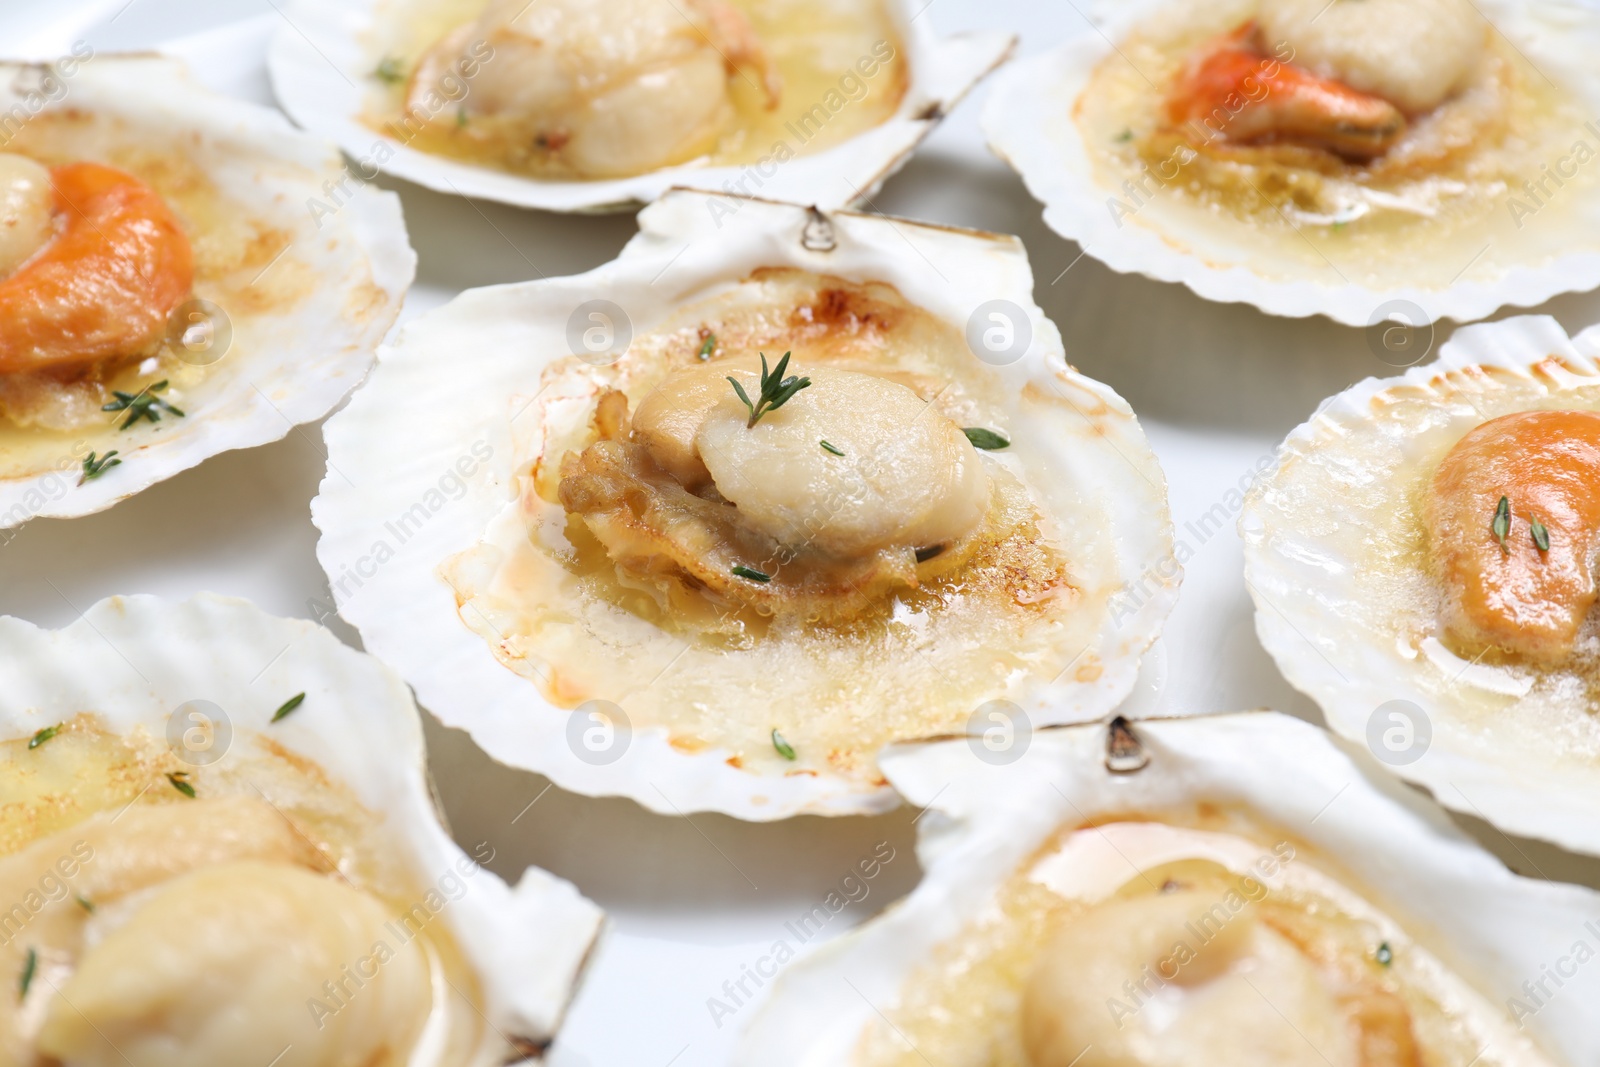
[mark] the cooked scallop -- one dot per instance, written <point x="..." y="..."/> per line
<point x="253" y="878"/>
<point x="1368" y="160"/>
<point x="604" y="105"/>
<point x="613" y="87"/>
<point x="1412" y="53"/>
<point x="1435" y="536"/>
<point x="1226" y="891"/>
<point x="180" y="275"/>
<point x="789" y="474"/>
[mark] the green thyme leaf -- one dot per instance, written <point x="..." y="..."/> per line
<point x="751" y="573"/>
<point x="927" y="552"/>
<point x="142" y="405"/>
<point x="776" y="390"/>
<point x="391" y="70"/>
<point x="1125" y="136"/>
<point x="30" y="967"/>
<point x="708" y="346"/>
<point x="461" y="116"/>
<point x="1502" y="523"/>
<point x="1384" y="955"/>
<point x="1541" y="536"/>
<point x="180" y="782"/>
<point x="94" y="467"/>
<point x="289" y="706"/>
<point x="42" y="736"/>
<point x="85" y="904"/>
<point x="785" y="749"/>
<point x="826" y="447"/>
<point x="985" y="439"/>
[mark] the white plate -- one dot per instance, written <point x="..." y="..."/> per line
<point x="1216" y="387"/>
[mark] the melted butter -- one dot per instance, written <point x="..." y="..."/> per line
<point x="963" y="1005"/>
<point x="85" y="770"/>
<point x="231" y="250"/>
<point x="1423" y="222"/>
<point x="813" y="44"/>
<point x="544" y="596"/>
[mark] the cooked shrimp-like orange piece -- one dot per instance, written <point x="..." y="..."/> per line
<point x="1243" y="96"/>
<point x="103" y="287"/>
<point x="1519" y="598"/>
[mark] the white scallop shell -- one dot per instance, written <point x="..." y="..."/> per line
<point x="1029" y="124"/>
<point x="449" y="379"/>
<point x="284" y="368"/>
<point x="1395" y="849"/>
<point x="1312" y="610"/>
<point x="135" y="660"/>
<point x="319" y="62"/>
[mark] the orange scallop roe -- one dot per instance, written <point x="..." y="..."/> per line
<point x="1519" y="599"/>
<point x="105" y="284"/>
<point x="1238" y="94"/>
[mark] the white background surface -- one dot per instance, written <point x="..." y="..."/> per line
<point x="693" y="900"/>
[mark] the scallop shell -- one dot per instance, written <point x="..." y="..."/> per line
<point x="320" y="60"/>
<point x="1526" y="761"/>
<point x="1029" y="122"/>
<point x="441" y="396"/>
<point x="284" y="367"/>
<point x="133" y="660"/>
<point x="1391" y="846"/>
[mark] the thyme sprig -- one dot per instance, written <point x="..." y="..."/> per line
<point x="775" y="389"/>
<point x="30" y="967"/>
<point x="987" y="440"/>
<point x="835" y="449"/>
<point x="1541" y="536"/>
<point x="180" y="782"/>
<point x="390" y="70"/>
<point x="142" y="405"/>
<point x="708" y="346"/>
<point x="289" y="706"/>
<point x="42" y="736"/>
<point x="785" y="749"/>
<point x="1502" y="523"/>
<point x="94" y="467"/>
<point x="751" y="574"/>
